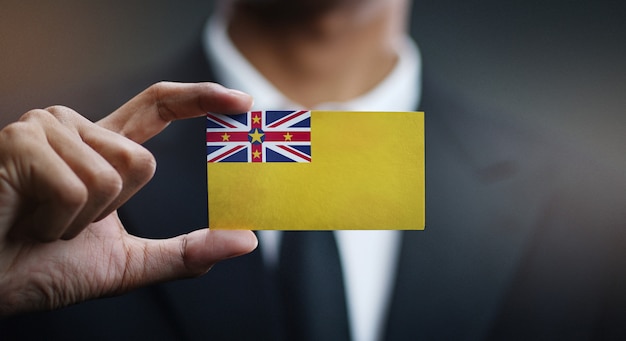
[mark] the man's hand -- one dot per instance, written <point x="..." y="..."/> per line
<point x="62" y="179"/>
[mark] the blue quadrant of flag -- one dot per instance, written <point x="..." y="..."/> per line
<point x="259" y="136"/>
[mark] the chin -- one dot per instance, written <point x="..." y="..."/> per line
<point x="296" y="9"/>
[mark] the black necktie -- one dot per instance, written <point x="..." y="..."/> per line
<point x="311" y="286"/>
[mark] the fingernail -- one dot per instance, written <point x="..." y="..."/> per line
<point x="238" y="92"/>
<point x="242" y="95"/>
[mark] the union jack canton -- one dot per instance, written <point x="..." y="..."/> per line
<point x="259" y="136"/>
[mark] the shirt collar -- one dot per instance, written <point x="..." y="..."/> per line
<point x="399" y="91"/>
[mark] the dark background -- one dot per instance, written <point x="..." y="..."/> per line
<point x="559" y="65"/>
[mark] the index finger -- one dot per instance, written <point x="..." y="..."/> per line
<point x="152" y="110"/>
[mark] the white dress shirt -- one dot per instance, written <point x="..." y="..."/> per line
<point x="368" y="258"/>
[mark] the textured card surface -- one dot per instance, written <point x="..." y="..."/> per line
<point x="316" y="170"/>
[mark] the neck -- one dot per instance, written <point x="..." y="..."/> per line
<point x="334" y="55"/>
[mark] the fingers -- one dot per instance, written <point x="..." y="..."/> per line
<point x="133" y="164"/>
<point x="69" y="172"/>
<point x="46" y="195"/>
<point x="64" y="182"/>
<point x="152" y="110"/>
<point x="65" y="172"/>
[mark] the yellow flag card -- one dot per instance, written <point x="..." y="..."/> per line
<point x="316" y="170"/>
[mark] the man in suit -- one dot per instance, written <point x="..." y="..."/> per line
<point x="523" y="239"/>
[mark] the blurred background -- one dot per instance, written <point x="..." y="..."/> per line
<point x="559" y="64"/>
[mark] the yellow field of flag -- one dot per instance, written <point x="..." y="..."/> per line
<point x="316" y="170"/>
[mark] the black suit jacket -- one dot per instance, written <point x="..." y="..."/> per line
<point x="523" y="240"/>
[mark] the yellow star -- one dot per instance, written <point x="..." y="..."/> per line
<point x="256" y="154"/>
<point x="256" y="119"/>
<point x="256" y="136"/>
<point x="225" y="137"/>
<point x="288" y="137"/>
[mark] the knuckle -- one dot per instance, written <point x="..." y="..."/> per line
<point x="21" y="137"/>
<point x="144" y="164"/>
<point x="37" y="115"/>
<point x="74" y="196"/>
<point x="137" y="162"/>
<point x="106" y="183"/>
<point x="15" y="130"/>
<point x="62" y="113"/>
<point x="58" y="110"/>
<point x="156" y="92"/>
<point x="50" y="115"/>
<point x="159" y="86"/>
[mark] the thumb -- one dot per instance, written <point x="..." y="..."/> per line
<point x="188" y="255"/>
